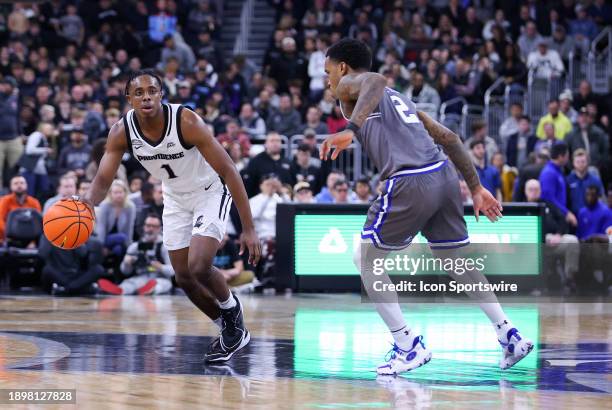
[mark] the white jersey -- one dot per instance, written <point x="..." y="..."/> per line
<point x="180" y="166"/>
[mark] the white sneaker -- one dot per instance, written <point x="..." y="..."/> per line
<point x="516" y="348"/>
<point x="401" y="361"/>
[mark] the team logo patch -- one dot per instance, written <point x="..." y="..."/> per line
<point x="199" y="221"/>
<point x="136" y="144"/>
<point x="170" y="145"/>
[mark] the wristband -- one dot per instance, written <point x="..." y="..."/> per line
<point x="352" y="126"/>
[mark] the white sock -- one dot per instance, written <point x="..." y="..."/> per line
<point x="228" y="304"/>
<point x="501" y="328"/>
<point x="218" y="322"/>
<point x="403" y="337"/>
<point x="493" y="311"/>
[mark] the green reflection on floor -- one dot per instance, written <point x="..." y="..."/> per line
<point x="350" y="344"/>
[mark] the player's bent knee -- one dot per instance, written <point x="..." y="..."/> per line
<point x="200" y="268"/>
<point x="185" y="279"/>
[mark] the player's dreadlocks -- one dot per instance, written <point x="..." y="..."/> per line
<point x="140" y="73"/>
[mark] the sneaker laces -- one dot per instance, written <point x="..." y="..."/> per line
<point x="392" y="354"/>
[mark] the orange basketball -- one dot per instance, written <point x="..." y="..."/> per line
<point x="68" y="224"/>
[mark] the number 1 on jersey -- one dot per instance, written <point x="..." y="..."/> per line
<point x="171" y="173"/>
<point x="404" y="111"/>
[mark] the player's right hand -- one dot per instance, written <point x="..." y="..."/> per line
<point x="250" y="241"/>
<point x="339" y="141"/>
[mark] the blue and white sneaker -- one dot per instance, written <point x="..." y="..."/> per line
<point x="515" y="349"/>
<point x="400" y="361"/>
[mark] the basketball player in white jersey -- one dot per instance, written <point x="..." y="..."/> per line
<point x="199" y="182"/>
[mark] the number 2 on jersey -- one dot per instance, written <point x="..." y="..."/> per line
<point x="404" y="111"/>
<point x="171" y="173"/>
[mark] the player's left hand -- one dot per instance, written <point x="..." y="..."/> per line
<point x="249" y="240"/>
<point x="339" y="141"/>
<point x="484" y="201"/>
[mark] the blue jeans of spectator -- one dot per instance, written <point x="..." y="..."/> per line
<point x="38" y="184"/>
<point x="116" y="243"/>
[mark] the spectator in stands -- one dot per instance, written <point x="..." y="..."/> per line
<point x="233" y="133"/>
<point x="590" y="138"/>
<point x="565" y="105"/>
<point x="162" y="23"/>
<point x="562" y="124"/>
<point x="302" y="193"/>
<point x="184" y="95"/>
<point x="205" y="48"/>
<point x="536" y="161"/>
<point x="511" y="67"/>
<point x="601" y="12"/>
<point x="303" y="169"/>
<point x="562" y="43"/>
<point x="152" y="204"/>
<point x="466" y="194"/>
<point x="83" y="187"/>
<point x="550" y="138"/>
<point x="235" y="153"/>
<point x="263" y="206"/>
<point x="72" y="27"/>
<point x="115" y="220"/>
<point x="146" y="265"/>
<point x="595" y="217"/>
<point x="290" y="65"/>
<point x="286" y="121"/>
<point x="73" y="271"/>
<point x="325" y="196"/>
<point x="479" y="133"/>
<point x="17" y="199"/>
<point x="316" y="69"/>
<point x="511" y="124"/>
<point x="67" y="188"/>
<point x="489" y="176"/>
<point x="556" y="232"/>
<point x="268" y="162"/>
<point x="585" y="95"/>
<point x="545" y="62"/>
<point x="75" y="156"/>
<point x="422" y="93"/>
<point x="552" y="181"/>
<point x="33" y="164"/>
<point x="340" y="192"/>
<point x="313" y="121"/>
<point x="11" y="146"/>
<point x="583" y="25"/>
<point x="250" y="121"/>
<point x="363" y="191"/>
<point x="520" y="144"/>
<point x="529" y="40"/>
<point x="507" y="175"/>
<point x="199" y="17"/>
<point x="363" y="24"/>
<point x="467" y="81"/>
<point x="580" y="178"/>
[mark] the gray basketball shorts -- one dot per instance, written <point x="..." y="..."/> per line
<point x="426" y="200"/>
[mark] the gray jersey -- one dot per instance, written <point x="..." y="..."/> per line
<point x="394" y="138"/>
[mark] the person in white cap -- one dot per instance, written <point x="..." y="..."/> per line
<point x="565" y="106"/>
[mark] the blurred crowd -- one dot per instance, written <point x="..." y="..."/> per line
<point x="64" y="64"/>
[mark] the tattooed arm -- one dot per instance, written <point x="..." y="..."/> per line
<point x="453" y="147"/>
<point x="365" y="90"/>
<point x="362" y="92"/>
<point x="451" y="143"/>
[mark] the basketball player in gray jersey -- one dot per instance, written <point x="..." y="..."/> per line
<point x="421" y="194"/>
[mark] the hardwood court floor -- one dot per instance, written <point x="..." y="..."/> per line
<point x="307" y="351"/>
